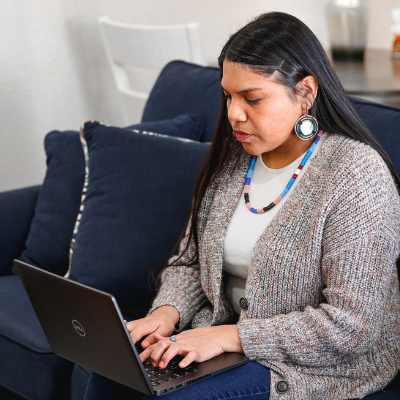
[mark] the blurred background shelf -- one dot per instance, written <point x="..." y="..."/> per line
<point x="377" y="78"/>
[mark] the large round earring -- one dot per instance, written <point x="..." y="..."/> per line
<point x="306" y="127"/>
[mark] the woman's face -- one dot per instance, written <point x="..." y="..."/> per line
<point x="261" y="112"/>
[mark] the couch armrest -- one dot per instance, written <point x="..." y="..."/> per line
<point x="17" y="208"/>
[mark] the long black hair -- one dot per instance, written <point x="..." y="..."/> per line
<point x="281" y="45"/>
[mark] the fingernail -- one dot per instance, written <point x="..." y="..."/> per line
<point x="161" y="364"/>
<point x="182" y="364"/>
<point x="153" y="364"/>
<point x="145" y="344"/>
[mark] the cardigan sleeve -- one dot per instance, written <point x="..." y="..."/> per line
<point x="181" y="286"/>
<point x="360" y="245"/>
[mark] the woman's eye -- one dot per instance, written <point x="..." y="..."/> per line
<point x="253" y="101"/>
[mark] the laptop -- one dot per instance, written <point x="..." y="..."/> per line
<point x="85" y="325"/>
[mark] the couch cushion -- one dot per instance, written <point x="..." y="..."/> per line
<point x="137" y="201"/>
<point x="24" y="350"/>
<point x="384" y="122"/>
<point x="186" y="88"/>
<point x="17" y="210"/>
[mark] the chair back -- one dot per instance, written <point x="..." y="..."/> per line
<point x="137" y="53"/>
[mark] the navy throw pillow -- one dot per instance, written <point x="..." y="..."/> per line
<point x="50" y="233"/>
<point x="49" y="238"/>
<point x="190" y="126"/>
<point x="136" y="203"/>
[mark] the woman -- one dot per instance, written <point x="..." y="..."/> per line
<point x="290" y="253"/>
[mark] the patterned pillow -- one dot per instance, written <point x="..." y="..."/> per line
<point x="137" y="196"/>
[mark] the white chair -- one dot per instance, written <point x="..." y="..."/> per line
<point x="137" y="53"/>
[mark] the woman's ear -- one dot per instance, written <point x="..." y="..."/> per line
<point x="308" y="89"/>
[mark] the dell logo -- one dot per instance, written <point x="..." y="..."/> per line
<point x="78" y="328"/>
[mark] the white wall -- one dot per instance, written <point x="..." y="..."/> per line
<point x="54" y="74"/>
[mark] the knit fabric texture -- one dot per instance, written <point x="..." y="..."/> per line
<point x="323" y="292"/>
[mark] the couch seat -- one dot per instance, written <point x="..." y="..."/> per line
<point x="29" y="368"/>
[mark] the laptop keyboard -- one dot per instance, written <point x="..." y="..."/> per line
<point x="158" y="375"/>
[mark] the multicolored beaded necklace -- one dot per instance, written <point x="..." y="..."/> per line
<point x="288" y="186"/>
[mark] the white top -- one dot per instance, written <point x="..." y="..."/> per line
<point x="246" y="227"/>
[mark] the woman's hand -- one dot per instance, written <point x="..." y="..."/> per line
<point x="161" y="321"/>
<point x="199" y="344"/>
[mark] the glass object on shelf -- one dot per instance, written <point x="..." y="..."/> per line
<point x="396" y="32"/>
<point x="348" y="27"/>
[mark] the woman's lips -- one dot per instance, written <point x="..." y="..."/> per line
<point x="242" y="136"/>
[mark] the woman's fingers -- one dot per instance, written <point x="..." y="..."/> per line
<point x="190" y="357"/>
<point x="195" y="345"/>
<point x="161" y="321"/>
<point x="158" y="337"/>
<point x="141" y="329"/>
<point x="160" y="353"/>
<point x="146" y="328"/>
<point x="172" y="351"/>
<point x="165" y="350"/>
<point x="154" y="337"/>
<point x="130" y="325"/>
<point x="145" y="354"/>
<point x="149" y="348"/>
<point x="160" y="349"/>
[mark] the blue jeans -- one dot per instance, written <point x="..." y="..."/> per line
<point x="250" y="381"/>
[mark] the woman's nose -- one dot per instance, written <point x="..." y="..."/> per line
<point x="236" y="112"/>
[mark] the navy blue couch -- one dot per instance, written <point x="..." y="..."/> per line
<point x="137" y="196"/>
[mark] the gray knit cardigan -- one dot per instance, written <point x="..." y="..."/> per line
<point x="323" y="293"/>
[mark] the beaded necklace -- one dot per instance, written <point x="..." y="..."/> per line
<point x="288" y="186"/>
